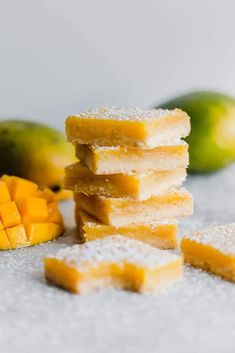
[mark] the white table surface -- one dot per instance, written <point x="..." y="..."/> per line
<point x="196" y="315"/>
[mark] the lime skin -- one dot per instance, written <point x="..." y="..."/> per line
<point x="212" y="138"/>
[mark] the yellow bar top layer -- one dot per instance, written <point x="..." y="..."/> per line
<point x="113" y="261"/>
<point x="112" y="126"/>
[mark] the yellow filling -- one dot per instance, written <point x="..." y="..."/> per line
<point x="119" y="212"/>
<point x="125" y="275"/>
<point x="108" y="160"/>
<point x="162" y="236"/>
<point x="125" y="132"/>
<point x="79" y="178"/>
<point x="208" y="258"/>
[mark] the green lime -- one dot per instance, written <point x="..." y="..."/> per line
<point x="212" y="138"/>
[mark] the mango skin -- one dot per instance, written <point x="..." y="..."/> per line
<point x="35" y="152"/>
<point x="212" y="138"/>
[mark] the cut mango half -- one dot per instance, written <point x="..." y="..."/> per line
<point x="28" y="215"/>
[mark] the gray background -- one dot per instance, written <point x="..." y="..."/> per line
<point x="61" y="56"/>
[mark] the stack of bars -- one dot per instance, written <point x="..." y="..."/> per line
<point x="127" y="181"/>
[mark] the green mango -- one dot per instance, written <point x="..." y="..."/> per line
<point x="212" y="138"/>
<point x="35" y="152"/>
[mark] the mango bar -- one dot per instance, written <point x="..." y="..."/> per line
<point x="113" y="262"/>
<point x="112" y="160"/>
<point x="162" y="235"/>
<point x="175" y="203"/>
<point x="133" y="127"/>
<point x="79" y="178"/>
<point x="212" y="249"/>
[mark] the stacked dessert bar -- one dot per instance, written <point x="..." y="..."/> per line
<point x="127" y="181"/>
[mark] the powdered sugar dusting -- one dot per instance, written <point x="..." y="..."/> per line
<point x="221" y="238"/>
<point x="115" y="249"/>
<point x="116" y="113"/>
<point x="176" y="191"/>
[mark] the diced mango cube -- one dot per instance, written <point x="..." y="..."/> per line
<point x="17" y="236"/>
<point x="9" y="214"/>
<point x="4" y="193"/>
<point x="33" y="209"/>
<point x="55" y="230"/>
<point x="48" y="195"/>
<point x="7" y="180"/>
<point x="21" y="188"/>
<point x="41" y="232"/>
<point x="4" y="241"/>
<point x="54" y="215"/>
<point x="36" y="231"/>
<point x="24" y="214"/>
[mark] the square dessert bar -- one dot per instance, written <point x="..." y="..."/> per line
<point x="79" y="178"/>
<point x="116" y="212"/>
<point x="111" y="160"/>
<point x="113" y="262"/>
<point x="162" y="234"/>
<point x="212" y="249"/>
<point x="111" y="126"/>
